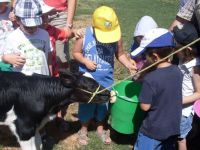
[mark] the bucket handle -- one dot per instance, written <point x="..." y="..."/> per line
<point x="127" y="99"/>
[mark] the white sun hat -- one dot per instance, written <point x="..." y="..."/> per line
<point x="145" y="24"/>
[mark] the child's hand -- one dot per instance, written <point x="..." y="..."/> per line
<point x="90" y="65"/>
<point x="68" y="33"/>
<point x="79" y="33"/>
<point x="14" y="59"/>
<point x="132" y="66"/>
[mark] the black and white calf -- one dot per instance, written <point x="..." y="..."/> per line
<point x="28" y="102"/>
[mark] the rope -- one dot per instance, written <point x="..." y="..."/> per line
<point x="152" y="65"/>
<point x="93" y="94"/>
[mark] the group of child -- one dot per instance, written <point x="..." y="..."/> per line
<point x="167" y="94"/>
<point x="168" y="90"/>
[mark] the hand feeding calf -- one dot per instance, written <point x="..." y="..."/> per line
<point x="28" y="102"/>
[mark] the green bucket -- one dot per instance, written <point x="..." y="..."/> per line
<point x="126" y="115"/>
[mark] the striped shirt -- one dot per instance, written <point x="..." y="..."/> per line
<point x="187" y="11"/>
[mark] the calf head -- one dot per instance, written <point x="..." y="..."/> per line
<point x="85" y="89"/>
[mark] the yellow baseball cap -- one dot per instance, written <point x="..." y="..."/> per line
<point x="106" y="25"/>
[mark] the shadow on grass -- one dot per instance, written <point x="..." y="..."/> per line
<point x="122" y="139"/>
<point x="55" y="135"/>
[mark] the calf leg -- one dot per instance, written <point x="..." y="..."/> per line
<point x="29" y="144"/>
<point x="38" y="141"/>
<point x="34" y="143"/>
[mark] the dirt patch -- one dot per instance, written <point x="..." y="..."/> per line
<point x="82" y="21"/>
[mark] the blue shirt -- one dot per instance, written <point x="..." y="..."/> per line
<point x="101" y="53"/>
<point x="162" y="88"/>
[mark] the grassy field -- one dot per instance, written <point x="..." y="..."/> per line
<point x="129" y="12"/>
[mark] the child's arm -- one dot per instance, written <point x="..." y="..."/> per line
<point x="121" y="56"/>
<point x="196" y="83"/>
<point x="14" y="59"/>
<point x="50" y="63"/>
<point x="78" y="55"/>
<point x="145" y="107"/>
<point x="61" y="34"/>
<point x="64" y="34"/>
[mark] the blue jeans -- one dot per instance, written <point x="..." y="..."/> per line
<point x="186" y="126"/>
<point x="145" y="143"/>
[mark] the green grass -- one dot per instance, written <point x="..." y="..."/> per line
<point x="96" y="144"/>
<point x="130" y="11"/>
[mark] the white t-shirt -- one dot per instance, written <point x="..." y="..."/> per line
<point x="187" y="85"/>
<point x="6" y="27"/>
<point x="34" y="48"/>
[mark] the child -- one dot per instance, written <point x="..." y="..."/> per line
<point x="54" y="33"/>
<point x="29" y="41"/>
<point x="6" y="27"/>
<point x="62" y="17"/>
<point x="145" y="24"/>
<point x="161" y="94"/>
<point x="96" y="56"/>
<point x="189" y="64"/>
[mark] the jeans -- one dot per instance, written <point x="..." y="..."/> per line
<point x="186" y="126"/>
<point x="146" y="143"/>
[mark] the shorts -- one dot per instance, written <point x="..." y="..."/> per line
<point x="185" y="126"/>
<point x="87" y="112"/>
<point x="146" y="143"/>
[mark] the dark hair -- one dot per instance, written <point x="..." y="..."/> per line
<point x="160" y="51"/>
<point x="189" y="54"/>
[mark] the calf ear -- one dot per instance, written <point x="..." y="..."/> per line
<point x="69" y="78"/>
<point x="66" y="77"/>
<point x="68" y="74"/>
<point x="73" y="66"/>
<point x="64" y="73"/>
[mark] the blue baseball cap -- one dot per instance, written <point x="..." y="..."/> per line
<point x="158" y="37"/>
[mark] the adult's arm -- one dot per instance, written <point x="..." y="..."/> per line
<point x="184" y="15"/>
<point x="71" y="11"/>
<point x="176" y="22"/>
